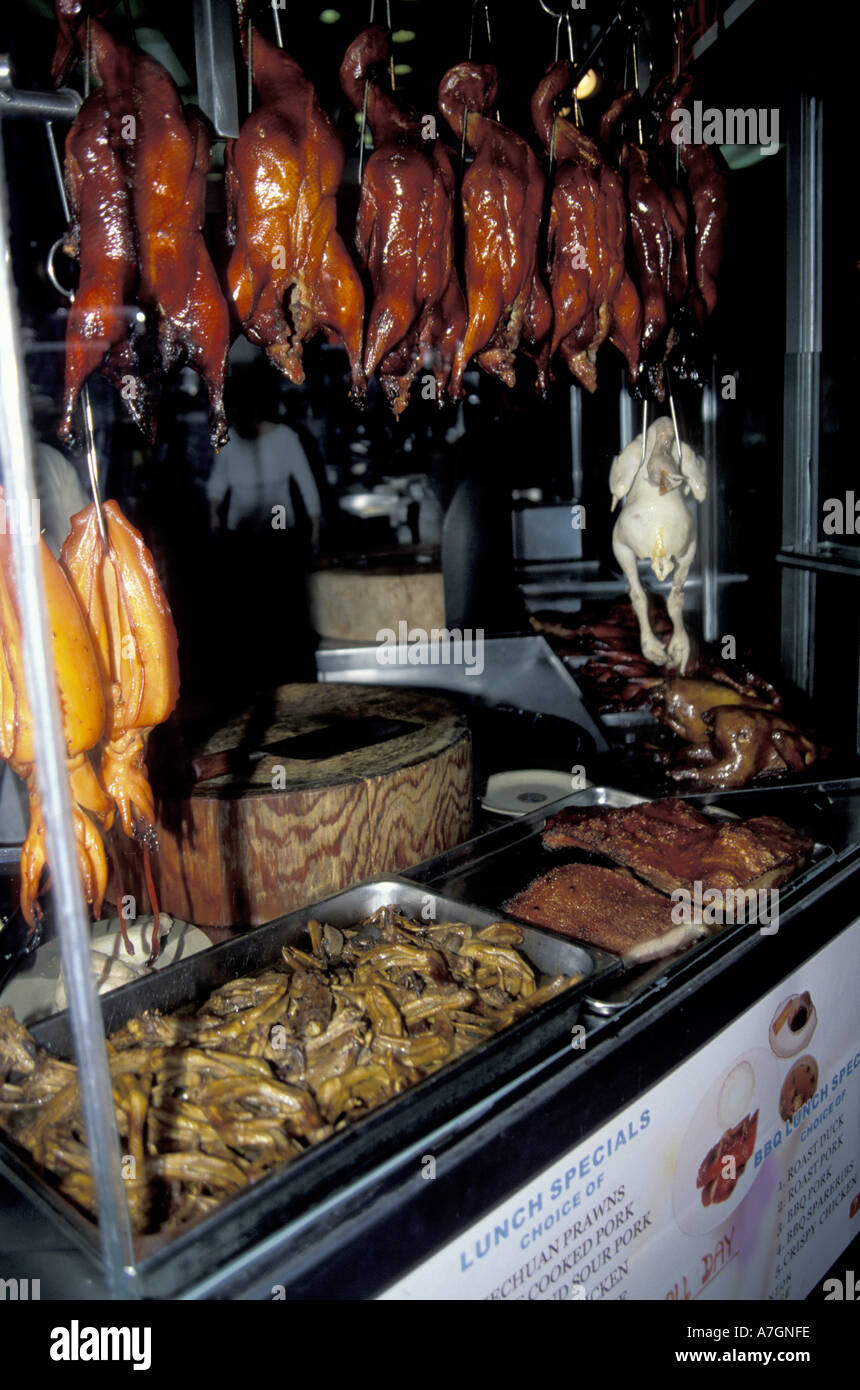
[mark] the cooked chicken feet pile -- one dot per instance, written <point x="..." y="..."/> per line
<point x="271" y="1064"/>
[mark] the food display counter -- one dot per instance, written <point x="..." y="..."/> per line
<point x="430" y="825"/>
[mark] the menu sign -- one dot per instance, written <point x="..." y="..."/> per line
<point x="736" y="1177"/>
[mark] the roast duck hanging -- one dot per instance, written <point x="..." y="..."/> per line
<point x="115" y="654"/>
<point x="629" y="233"/>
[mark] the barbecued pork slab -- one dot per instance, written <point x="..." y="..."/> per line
<point x="605" y="907"/>
<point x="672" y="845"/>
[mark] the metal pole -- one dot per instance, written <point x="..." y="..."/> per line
<point x="46" y="106"/>
<point x="709" y="525"/>
<point x="576" y="442"/>
<point x="802" y="410"/>
<point x="626" y="427"/>
<point x="16" y="466"/>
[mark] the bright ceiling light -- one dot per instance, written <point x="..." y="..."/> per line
<point x="588" y="85"/>
<point x="403" y="36"/>
<point x="329" y="16"/>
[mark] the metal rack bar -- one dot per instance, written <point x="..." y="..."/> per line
<point x="801" y="420"/>
<point x="43" y="106"/>
<point x="16" y="468"/>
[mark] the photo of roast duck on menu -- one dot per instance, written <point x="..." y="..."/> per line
<point x="429" y="664"/>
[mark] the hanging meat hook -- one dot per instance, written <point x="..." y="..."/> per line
<point x="466" y="112"/>
<point x="279" y="38"/>
<point x="86" y="403"/>
<point x="363" y="122"/>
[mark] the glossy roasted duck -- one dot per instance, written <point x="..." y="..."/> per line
<point x="503" y="195"/>
<point x="290" y="274"/>
<point x="82" y="704"/>
<point x="101" y="237"/>
<point x="70" y="15"/>
<point x="658" y="222"/>
<point x="742" y="742"/>
<point x="166" y="160"/>
<point x="682" y="702"/>
<point x="404" y="234"/>
<point x="707" y="183"/>
<point x="593" y="297"/>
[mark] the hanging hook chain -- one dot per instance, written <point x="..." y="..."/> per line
<point x="278" y="35"/>
<point x="85" y="402"/>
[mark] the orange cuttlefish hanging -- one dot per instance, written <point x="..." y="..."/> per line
<point x="136" y="648"/>
<point x="82" y="703"/>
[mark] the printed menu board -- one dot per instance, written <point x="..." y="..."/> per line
<point x="736" y="1177"/>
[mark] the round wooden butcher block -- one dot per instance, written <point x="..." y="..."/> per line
<point x="356" y="604"/>
<point x="320" y="787"/>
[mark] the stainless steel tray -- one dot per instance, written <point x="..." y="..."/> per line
<point x="494" y="867"/>
<point x="169" y="1262"/>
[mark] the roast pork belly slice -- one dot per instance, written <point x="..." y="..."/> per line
<point x="672" y="845"/>
<point x="604" y="907"/>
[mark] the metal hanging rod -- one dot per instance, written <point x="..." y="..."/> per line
<point x="99" y="1114"/>
<point x="62" y="105"/>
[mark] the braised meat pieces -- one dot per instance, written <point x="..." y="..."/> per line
<point x="672" y="845"/>
<point x="273" y="1063"/>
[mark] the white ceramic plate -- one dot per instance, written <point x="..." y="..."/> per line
<point x="526" y="789"/>
<point x="788" y="1044"/>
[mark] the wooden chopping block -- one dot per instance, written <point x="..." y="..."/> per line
<point x="329" y="785"/>
<point x="353" y="605"/>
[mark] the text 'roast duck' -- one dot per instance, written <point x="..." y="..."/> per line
<point x="282" y="174"/>
<point x="593" y="297"/>
<point x="503" y="194"/>
<point x="404" y="234"/>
